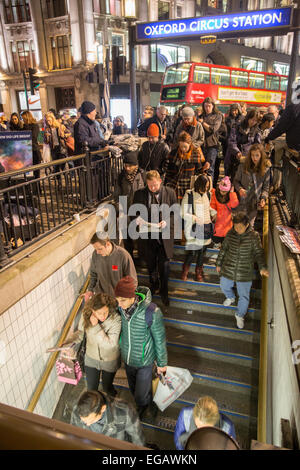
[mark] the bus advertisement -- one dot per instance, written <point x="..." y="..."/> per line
<point x="191" y="82"/>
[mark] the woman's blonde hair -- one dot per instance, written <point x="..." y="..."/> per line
<point x="206" y="410"/>
<point x="55" y="121"/>
<point x="97" y="302"/>
<point x="262" y="165"/>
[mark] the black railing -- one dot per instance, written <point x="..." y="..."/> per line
<point x="291" y="185"/>
<point x="31" y="207"/>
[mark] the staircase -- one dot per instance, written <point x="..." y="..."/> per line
<point x="201" y="336"/>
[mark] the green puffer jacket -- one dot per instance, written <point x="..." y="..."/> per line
<point x="141" y="345"/>
<point x="238" y="255"/>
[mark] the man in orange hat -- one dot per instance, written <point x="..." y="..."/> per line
<point x="154" y="152"/>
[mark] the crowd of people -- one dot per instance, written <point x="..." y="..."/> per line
<point x="178" y="163"/>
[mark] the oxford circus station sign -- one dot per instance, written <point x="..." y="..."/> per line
<point x="222" y="25"/>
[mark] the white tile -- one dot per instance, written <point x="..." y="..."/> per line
<point x="10" y="333"/>
<point x="1" y="323"/>
<point x="18" y="309"/>
<point x="6" y="319"/>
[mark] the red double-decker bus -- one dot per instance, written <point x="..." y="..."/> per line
<point x="191" y="82"/>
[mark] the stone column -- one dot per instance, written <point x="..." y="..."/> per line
<point x="89" y="31"/>
<point x="44" y="98"/>
<point x="4" y="44"/>
<point x="39" y="35"/>
<point x="75" y="31"/>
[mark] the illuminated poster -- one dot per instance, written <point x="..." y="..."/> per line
<point x="15" y="150"/>
<point x="251" y="96"/>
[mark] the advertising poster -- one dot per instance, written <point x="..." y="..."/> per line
<point x="15" y="150"/>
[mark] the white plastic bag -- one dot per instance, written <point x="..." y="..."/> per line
<point x="176" y="381"/>
<point x="46" y="155"/>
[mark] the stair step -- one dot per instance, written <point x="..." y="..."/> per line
<point x="209" y="369"/>
<point x="178" y="300"/>
<point x="211" y="282"/>
<point x="212" y="323"/>
<point x="227" y="349"/>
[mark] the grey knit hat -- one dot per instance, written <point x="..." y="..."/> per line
<point x="187" y="112"/>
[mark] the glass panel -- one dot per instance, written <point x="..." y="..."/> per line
<point x="163" y="11"/>
<point x="220" y="76"/>
<point x="282" y="69"/>
<point x="251" y="63"/>
<point x="283" y="84"/>
<point x="201" y="74"/>
<point x="118" y="40"/>
<point x="239" y="78"/>
<point x="272" y="82"/>
<point x="153" y="58"/>
<point x="256" y="80"/>
<point x="177" y="74"/>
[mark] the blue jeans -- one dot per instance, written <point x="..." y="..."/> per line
<point x="210" y="154"/>
<point x="140" y="384"/>
<point x="243" y="289"/>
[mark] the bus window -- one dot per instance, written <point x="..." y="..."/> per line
<point x="256" y="80"/>
<point x="201" y="74"/>
<point x="283" y="83"/>
<point x="239" y="78"/>
<point x="272" y="82"/>
<point x="177" y="74"/>
<point x="220" y="76"/>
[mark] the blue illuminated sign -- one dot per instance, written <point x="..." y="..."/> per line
<point x="236" y="22"/>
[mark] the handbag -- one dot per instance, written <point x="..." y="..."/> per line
<point x="70" y="143"/>
<point x="81" y="352"/>
<point x="174" y="384"/>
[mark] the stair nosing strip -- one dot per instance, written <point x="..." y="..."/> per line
<point x="188" y="402"/>
<point x="211" y="351"/>
<point x="209" y="304"/>
<point x="182" y="247"/>
<point x="209" y="326"/>
<point x="212" y="378"/>
<point x="188" y="281"/>
<point x="147" y="425"/>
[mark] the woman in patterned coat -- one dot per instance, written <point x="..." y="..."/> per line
<point x="184" y="162"/>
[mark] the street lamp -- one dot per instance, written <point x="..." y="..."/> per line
<point x="130" y="16"/>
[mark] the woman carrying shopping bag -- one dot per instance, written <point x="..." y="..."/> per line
<point x="198" y="216"/>
<point x="101" y="323"/>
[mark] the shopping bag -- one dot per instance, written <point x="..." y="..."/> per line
<point x="68" y="370"/>
<point x="174" y="383"/>
<point x="46" y="155"/>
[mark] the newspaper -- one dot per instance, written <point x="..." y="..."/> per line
<point x="290" y="238"/>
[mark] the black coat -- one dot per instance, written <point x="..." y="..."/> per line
<point x="168" y="197"/>
<point x="125" y="188"/>
<point x="85" y="130"/>
<point x="164" y="127"/>
<point x="154" y="156"/>
<point x="289" y="123"/>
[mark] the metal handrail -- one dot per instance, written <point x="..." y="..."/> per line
<point x="263" y="359"/>
<point x="51" y="362"/>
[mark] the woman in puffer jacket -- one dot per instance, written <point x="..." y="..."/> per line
<point x="252" y="181"/>
<point x="101" y="323"/>
<point x="240" y="140"/>
<point x="197" y="215"/>
<point x="223" y="200"/>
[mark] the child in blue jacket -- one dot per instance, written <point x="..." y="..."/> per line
<point x="204" y="413"/>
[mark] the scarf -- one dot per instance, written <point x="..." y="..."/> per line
<point x="186" y="126"/>
<point x="130" y="311"/>
<point x="131" y="177"/>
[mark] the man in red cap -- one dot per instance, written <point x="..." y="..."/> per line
<point x="143" y="339"/>
<point x="154" y="153"/>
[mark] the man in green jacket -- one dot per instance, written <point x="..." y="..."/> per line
<point x="241" y="248"/>
<point x="143" y="339"/>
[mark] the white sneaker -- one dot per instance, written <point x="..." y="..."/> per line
<point x="239" y="322"/>
<point x="228" y="302"/>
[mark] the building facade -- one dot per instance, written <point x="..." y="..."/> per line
<point x="64" y="39"/>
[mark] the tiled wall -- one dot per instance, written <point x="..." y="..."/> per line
<point x="30" y="327"/>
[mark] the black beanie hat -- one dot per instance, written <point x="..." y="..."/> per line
<point x="131" y="158"/>
<point x="87" y="107"/>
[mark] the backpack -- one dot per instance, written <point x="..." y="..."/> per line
<point x="149" y="314"/>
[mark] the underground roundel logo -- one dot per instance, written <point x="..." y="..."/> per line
<point x="115" y="268"/>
